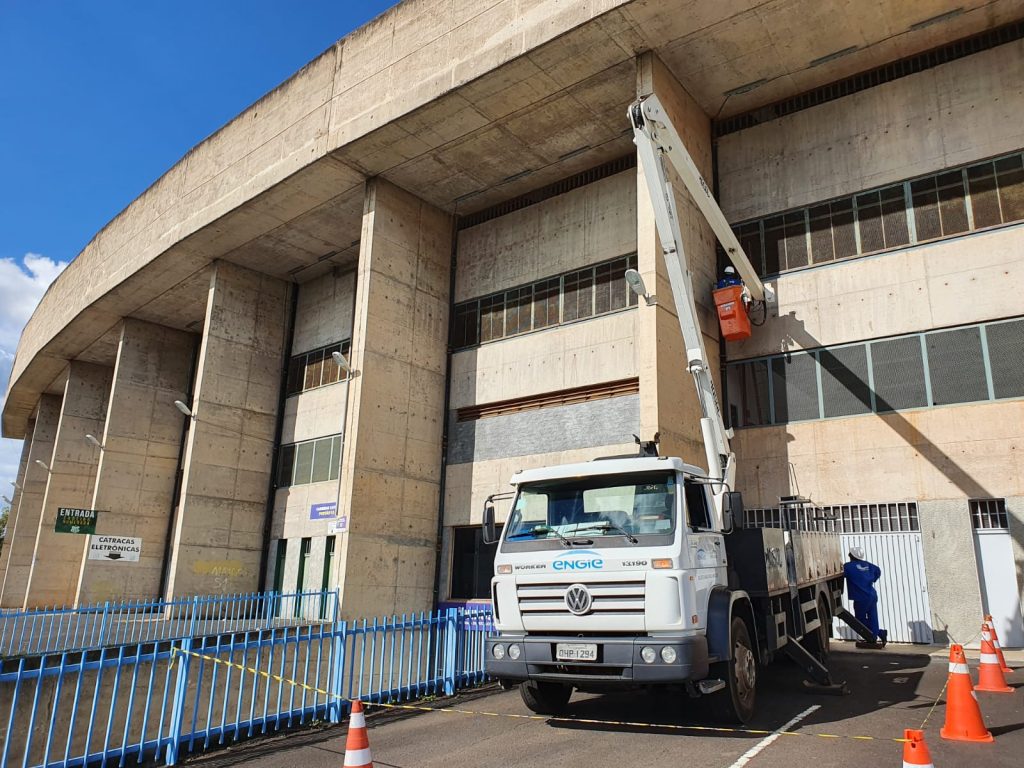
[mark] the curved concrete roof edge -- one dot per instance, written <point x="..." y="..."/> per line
<point x="340" y="96"/>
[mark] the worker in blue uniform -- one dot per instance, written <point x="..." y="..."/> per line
<point x="860" y="588"/>
<point x="729" y="277"/>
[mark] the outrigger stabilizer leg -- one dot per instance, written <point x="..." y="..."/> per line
<point x="870" y="641"/>
<point x="820" y="678"/>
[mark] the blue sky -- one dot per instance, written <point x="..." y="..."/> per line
<point x="100" y="98"/>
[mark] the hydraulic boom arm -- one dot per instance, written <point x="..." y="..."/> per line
<point x="658" y="142"/>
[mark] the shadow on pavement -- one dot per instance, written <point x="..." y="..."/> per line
<point x="877" y="680"/>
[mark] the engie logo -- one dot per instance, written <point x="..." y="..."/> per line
<point x="582" y="560"/>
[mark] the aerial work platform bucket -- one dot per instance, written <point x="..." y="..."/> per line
<point x="732" y="314"/>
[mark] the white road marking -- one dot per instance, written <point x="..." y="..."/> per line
<point x="753" y="752"/>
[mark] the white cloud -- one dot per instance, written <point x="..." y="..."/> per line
<point x="21" y="288"/>
<point x="20" y="291"/>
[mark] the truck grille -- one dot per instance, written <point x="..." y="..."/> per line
<point x="610" y="598"/>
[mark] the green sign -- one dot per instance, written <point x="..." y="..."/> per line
<point x="71" y="520"/>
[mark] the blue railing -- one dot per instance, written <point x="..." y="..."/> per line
<point x="49" y="630"/>
<point x="162" y="699"/>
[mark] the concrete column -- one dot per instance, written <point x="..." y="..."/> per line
<point x="135" y="480"/>
<point x="14" y="494"/>
<point x="22" y="541"/>
<point x="218" y="533"/>
<point x="53" y="579"/>
<point x="391" y="461"/>
<point x="668" y="399"/>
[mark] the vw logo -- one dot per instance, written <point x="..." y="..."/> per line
<point x="578" y="600"/>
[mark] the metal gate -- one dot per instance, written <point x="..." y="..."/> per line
<point x="902" y="590"/>
<point x="997" y="572"/>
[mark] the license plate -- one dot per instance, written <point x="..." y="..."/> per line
<point x="576" y="651"/>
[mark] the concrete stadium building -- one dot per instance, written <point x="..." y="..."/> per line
<point x="448" y="198"/>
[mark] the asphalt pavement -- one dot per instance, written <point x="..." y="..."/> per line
<point x="891" y="690"/>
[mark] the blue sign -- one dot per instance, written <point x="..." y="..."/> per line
<point x="323" y="511"/>
<point x="578" y="560"/>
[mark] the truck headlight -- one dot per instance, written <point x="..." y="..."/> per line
<point x="514" y="652"/>
<point x="498" y="651"/>
<point x="668" y="654"/>
<point x="648" y="654"/>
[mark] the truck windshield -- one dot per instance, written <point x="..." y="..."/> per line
<point x="625" y="506"/>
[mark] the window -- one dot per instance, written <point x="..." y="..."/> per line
<point x="989" y="514"/>
<point x="546" y="296"/>
<point x="795" y="384"/>
<point x="472" y="564"/>
<point x="898" y="368"/>
<point x="959" y="365"/>
<point x="312" y="461"/>
<point x="956" y="366"/>
<point x="941" y="205"/>
<point x="465" y="332"/>
<point x="1006" y="357"/>
<point x="575" y="296"/>
<point x="492" y="317"/>
<point x="578" y="295"/>
<point x="282" y="557"/>
<point x="315" y="369"/>
<point x="844" y="381"/>
<point x="698" y="515"/>
<point x="748" y="389"/>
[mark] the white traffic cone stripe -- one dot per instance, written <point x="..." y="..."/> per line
<point x="986" y="635"/>
<point x="354" y="758"/>
<point x="989" y="658"/>
<point x="917" y="765"/>
<point x="357" y="720"/>
<point x="958" y="669"/>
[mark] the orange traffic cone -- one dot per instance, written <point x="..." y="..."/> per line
<point x="995" y="643"/>
<point x="963" y="715"/>
<point x="915" y="751"/>
<point x="357" y="745"/>
<point x="990" y="674"/>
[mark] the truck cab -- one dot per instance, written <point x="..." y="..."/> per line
<point x="604" y="577"/>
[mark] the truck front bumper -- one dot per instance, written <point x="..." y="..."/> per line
<point x="618" y="660"/>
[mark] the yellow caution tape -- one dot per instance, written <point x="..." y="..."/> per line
<point x="545" y="718"/>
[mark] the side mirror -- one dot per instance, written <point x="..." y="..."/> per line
<point x="490" y="534"/>
<point x="732" y="510"/>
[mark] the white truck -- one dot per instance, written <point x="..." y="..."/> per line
<point x="637" y="571"/>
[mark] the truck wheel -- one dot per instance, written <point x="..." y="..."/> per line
<point x="816" y="642"/>
<point x="545" y="698"/>
<point x="735" y="703"/>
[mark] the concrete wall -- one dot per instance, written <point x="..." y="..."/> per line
<point x="21" y="542"/>
<point x="218" y="535"/>
<point x="142" y="439"/>
<point x="324" y="312"/>
<point x="580" y="354"/>
<point x="669" y="404"/>
<point x="53" y="579"/>
<point x="949" y="115"/>
<point x="12" y="514"/>
<point x="392" y="456"/>
<point x="587" y="225"/>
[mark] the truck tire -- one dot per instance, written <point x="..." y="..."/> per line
<point x="816" y="641"/>
<point x="735" y="703"/>
<point x="545" y="698"/>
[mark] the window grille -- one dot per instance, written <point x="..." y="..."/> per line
<point x="888" y="517"/>
<point x="944" y="204"/>
<point x="989" y="514"/>
<point x="972" y="363"/>
<point x="565" y="298"/>
<point x="316" y="368"/>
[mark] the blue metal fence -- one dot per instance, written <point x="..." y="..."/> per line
<point x="48" y="630"/>
<point x="162" y="699"/>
